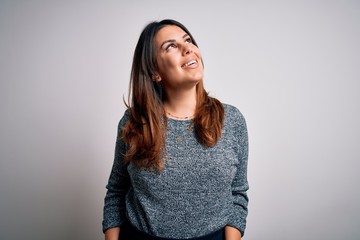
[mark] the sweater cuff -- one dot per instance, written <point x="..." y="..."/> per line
<point x="238" y="223"/>
<point x="111" y="223"/>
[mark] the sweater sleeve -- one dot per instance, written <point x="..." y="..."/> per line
<point x="114" y="212"/>
<point x="240" y="184"/>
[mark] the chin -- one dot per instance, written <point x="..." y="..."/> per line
<point x="199" y="78"/>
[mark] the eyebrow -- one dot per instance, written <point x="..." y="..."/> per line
<point x="172" y="40"/>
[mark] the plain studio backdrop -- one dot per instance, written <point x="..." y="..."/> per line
<point x="291" y="67"/>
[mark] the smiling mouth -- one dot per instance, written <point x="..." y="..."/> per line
<point x="192" y="62"/>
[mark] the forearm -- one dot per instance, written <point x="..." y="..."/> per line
<point x="232" y="233"/>
<point x="112" y="234"/>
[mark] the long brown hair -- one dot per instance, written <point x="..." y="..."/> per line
<point x="145" y="132"/>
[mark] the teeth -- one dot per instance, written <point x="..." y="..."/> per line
<point x="189" y="63"/>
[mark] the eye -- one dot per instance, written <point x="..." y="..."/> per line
<point x="170" y="46"/>
<point x="188" y="40"/>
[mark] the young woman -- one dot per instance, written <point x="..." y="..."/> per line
<point x="180" y="167"/>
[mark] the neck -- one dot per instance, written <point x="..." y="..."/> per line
<point x="180" y="105"/>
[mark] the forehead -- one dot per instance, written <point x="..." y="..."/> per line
<point x="169" y="32"/>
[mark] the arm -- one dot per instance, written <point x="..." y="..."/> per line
<point x="237" y="221"/>
<point x="118" y="185"/>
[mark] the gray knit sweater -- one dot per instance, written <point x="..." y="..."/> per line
<point x="200" y="190"/>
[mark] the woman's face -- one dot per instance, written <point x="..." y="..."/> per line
<point x="178" y="59"/>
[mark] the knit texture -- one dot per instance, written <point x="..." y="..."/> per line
<point x="200" y="190"/>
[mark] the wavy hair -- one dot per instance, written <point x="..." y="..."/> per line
<point x="145" y="131"/>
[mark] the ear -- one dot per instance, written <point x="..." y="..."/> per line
<point x="156" y="77"/>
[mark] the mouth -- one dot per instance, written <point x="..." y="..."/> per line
<point x="190" y="64"/>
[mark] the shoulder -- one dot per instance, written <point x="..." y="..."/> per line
<point x="235" y="124"/>
<point x="233" y="114"/>
<point x="124" y="119"/>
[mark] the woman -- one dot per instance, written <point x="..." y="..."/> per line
<point x="180" y="168"/>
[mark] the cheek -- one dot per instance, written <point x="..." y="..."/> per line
<point x="198" y="53"/>
<point x="168" y="64"/>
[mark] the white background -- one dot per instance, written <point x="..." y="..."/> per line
<point x="291" y="67"/>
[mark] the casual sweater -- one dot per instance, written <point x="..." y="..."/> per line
<point x="200" y="190"/>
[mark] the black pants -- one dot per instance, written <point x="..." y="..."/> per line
<point x="129" y="232"/>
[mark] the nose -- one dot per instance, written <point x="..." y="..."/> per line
<point x="187" y="49"/>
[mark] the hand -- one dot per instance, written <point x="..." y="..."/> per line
<point x="232" y="233"/>
<point x="112" y="234"/>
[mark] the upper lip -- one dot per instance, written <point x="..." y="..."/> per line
<point x="188" y="62"/>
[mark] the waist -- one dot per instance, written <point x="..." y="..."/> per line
<point x="129" y="232"/>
